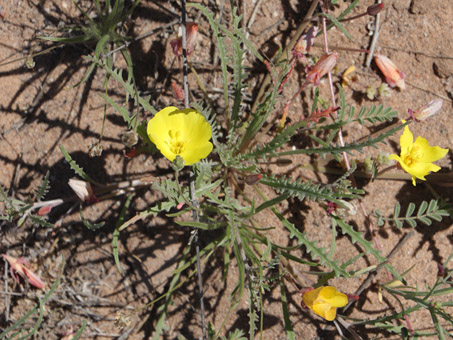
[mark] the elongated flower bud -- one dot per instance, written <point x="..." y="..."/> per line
<point x="427" y="110"/>
<point x="324" y="65"/>
<point x="374" y="9"/>
<point x="191" y="37"/>
<point x="393" y="76"/>
<point x="82" y="189"/>
<point x="178" y="92"/>
<point x="253" y="179"/>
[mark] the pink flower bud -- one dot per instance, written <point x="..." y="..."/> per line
<point x="324" y="65"/>
<point x="20" y="266"/>
<point x="393" y="76"/>
<point x="373" y="10"/>
<point x="178" y="92"/>
<point x="44" y="210"/>
<point x="427" y="110"/>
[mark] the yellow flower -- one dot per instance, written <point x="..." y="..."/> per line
<point x="183" y="133"/>
<point x="417" y="157"/>
<point x="324" y="301"/>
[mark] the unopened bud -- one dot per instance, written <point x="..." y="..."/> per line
<point x="440" y="270"/>
<point x="284" y="162"/>
<point x="394" y="283"/>
<point x="129" y="138"/>
<point x="178" y="163"/>
<point x="44" y="210"/>
<point x="82" y="189"/>
<point x="374" y="9"/>
<point x="253" y="179"/>
<point x="393" y="76"/>
<point x="335" y="210"/>
<point x="178" y="92"/>
<point x="324" y="65"/>
<point x="427" y="110"/>
<point x="191" y="37"/>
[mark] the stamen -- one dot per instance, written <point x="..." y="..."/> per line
<point x="175" y="142"/>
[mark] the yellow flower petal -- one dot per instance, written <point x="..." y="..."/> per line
<point x="395" y="157"/>
<point x="325" y="310"/>
<point x="406" y="139"/>
<point x="430" y="153"/>
<point x="183" y="133"/>
<point x="309" y="297"/>
<point x="193" y="156"/>
<point x="324" y="301"/>
<point x="332" y="296"/>
<point x="420" y="170"/>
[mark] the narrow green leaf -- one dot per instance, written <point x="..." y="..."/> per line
<point x="422" y="208"/>
<point x="116" y="232"/>
<point x="435" y="216"/>
<point x="380" y="220"/>
<point x="425" y="220"/>
<point x="267" y="251"/>
<point x="121" y="109"/>
<point x="88" y="224"/>
<point x="271" y="203"/>
<point x="201" y="225"/>
<point x="162" y="310"/>
<point x="40" y="221"/>
<point x="337" y="149"/>
<point x="411" y="222"/>
<point x="396" y="210"/>
<point x="338" y="25"/>
<point x="80" y="331"/>
<point x="74" y="166"/>
<point x="410" y="210"/>
<point x="290" y="335"/>
<point x="43" y="188"/>
<point x="432" y="206"/>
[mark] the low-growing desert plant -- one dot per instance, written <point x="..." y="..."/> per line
<point x="231" y="161"/>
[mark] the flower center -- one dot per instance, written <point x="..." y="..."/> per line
<point x="413" y="155"/>
<point x="175" y="142"/>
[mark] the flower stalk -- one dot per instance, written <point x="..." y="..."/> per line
<point x="193" y="196"/>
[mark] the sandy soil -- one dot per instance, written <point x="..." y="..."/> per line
<point x="41" y="111"/>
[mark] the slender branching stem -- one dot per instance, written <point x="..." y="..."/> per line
<point x="340" y="135"/>
<point x="192" y="175"/>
